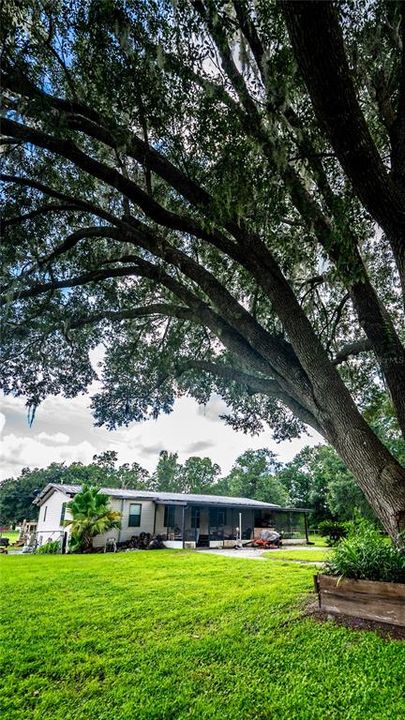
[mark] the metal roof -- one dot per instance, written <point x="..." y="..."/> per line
<point x="159" y="497"/>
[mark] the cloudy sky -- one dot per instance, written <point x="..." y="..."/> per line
<point x="63" y="431"/>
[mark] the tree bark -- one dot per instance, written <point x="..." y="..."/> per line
<point x="378" y="474"/>
<point x="324" y="67"/>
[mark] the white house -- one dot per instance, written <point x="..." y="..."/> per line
<point x="182" y="520"/>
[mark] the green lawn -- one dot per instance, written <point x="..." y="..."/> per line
<point x="318" y="540"/>
<point x="304" y="554"/>
<point x="182" y="636"/>
<point x="12" y="535"/>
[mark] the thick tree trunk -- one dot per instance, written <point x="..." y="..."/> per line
<point x="376" y="471"/>
<point x="378" y="474"/>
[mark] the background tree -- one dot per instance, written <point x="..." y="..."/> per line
<point x="166" y="475"/>
<point x="296" y="478"/>
<point x="17" y="494"/>
<point x="198" y="475"/>
<point x="174" y="192"/>
<point x="254" y="476"/>
<point x="317" y="478"/>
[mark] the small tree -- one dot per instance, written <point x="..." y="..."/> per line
<point x="91" y="516"/>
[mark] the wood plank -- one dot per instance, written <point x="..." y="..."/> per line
<point x="362" y="600"/>
<point x="384" y="589"/>
<point x="366" y="599"/>
<point x="382" y="612"/>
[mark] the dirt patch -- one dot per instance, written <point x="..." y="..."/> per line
<point x="384" y="630"/>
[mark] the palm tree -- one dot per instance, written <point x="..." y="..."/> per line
<point x="91" y="516"/>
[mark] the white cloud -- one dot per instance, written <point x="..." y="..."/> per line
<point x="18" y="452"/>
<point x="58" y="438"/>
<point x="63" y="431"/>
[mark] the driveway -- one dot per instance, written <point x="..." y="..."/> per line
<point x="245" y="553"/>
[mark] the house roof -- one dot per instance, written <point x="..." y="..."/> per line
<point x="158" y="497"/>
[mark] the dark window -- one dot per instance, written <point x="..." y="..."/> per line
<point x="62" y="514"/>
<point x="217" y="517"/>
<point x="195" y="517"/>
<point x="170" y="515"/>
<point x="134" y="519"/>
<point x="45" y="511"/>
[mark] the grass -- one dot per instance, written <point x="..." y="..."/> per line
<point x="304" y="555"/>
<point x="12" y="535"/>
<point x="318" y="540"/>
<point x="182" y="636"/>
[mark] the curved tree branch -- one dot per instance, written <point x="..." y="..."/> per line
<point x="43" y="210"/>
<point x="324" y="67"/>
<point x="352" y="349"/>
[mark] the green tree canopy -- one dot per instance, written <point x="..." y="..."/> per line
<point x="198" y="475"/>
<point x="254" y="476"/>
<point x="317" y="478"/>
<point x="214" y="191"/>
<point x="166" y="475"/>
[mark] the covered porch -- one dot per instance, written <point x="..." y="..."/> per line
<point x="192" y="525"/>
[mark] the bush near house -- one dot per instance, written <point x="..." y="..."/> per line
<point x="333" y="531"/>
<point x="50" y="548"/>
<point x="366" y="555"/>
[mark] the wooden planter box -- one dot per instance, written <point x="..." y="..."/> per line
<point x="380" y="601"/>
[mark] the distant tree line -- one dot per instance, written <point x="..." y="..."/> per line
<point x="316" y="478"/>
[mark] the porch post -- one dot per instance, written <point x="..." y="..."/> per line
<point x="154" y="519"/>
<point x="183" y="523"/>
<point x="122" y="515"/>
<point x="306" y="528"/>
<point x="64" y="543"/>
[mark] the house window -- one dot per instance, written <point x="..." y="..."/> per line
<point x="62" y="514"/>
<point x="195" y="517"/>
<point x="170" y="516"/>
<point x="134" y="519"/>
<point x="45" y="511"/>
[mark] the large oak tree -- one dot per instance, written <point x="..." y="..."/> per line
<point x="214" y="191"/>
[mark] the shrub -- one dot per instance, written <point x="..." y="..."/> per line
<point x="366" y="555"/>
<point x="91" y="516"/>
<point x="334" y="531"/>
<point x="50" y="548"/>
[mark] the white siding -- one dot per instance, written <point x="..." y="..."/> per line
<point x="147" y="519"/>
<point x="126" y="532"/>
<point x="160" y="519"/>
<point x="49" y="527"/>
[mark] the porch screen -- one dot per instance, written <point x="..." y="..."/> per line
<point x="195" y="517"/>
<point x="217" y="516"/>
<point x="134" y="519"/>
<point x="170" y="516"/>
